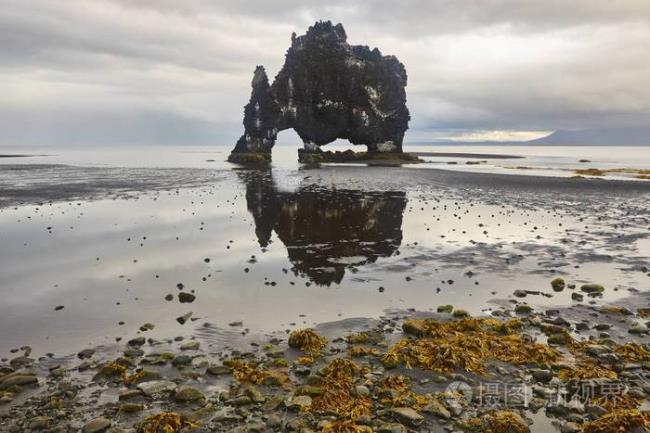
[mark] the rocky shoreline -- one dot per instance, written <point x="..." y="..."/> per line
<point x="583" y="369"/>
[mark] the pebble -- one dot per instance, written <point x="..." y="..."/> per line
<point x="17" y="379"/>
<point x="391" y="428"/>
<point x="218" y="370"/>
<point x="40" y="422"/>
<point x="86" y="353"/>
<point x="155" y="388"/>
<point x="138" y="341"/>
<point x="187" y="394"/>
<point x="190" y="345"/>
<point x="592" y="288"/>
<point x="131" y="407"/>
<point x="407" y="416"/>
<point x="97" y="425"/>
<point x="184" y="318"/>
<point x="181" y="360"/>
<point x="299" y="403"/>
<point x="185" y="298"/>
<point x="436" y="408"/>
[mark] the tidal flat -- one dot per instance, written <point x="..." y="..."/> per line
<point x="131" y="293"/>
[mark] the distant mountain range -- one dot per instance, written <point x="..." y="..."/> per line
<point x="634" y="136"/>
<point x="597" y="137"/>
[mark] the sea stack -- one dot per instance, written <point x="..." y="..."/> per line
<point x="327" y="89"/>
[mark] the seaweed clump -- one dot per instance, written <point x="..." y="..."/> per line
<point x="499" y="422"/>
<point x="586" y="370"/>
<point x="621" y="421"/>
<point x="166" y="422"/>
<point x="465" y="344"/>
<point x="116" y="368"/>
<point x="395" y="392"/>
<point x="632" y="352"/>
<point x="337" y="382"/>
<point x="346" y="426"/>
<point x="309" y="342"/>
<point x="250" y="373"/>
<point x="638" y="173"/>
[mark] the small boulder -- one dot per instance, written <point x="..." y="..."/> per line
<point x="436" y="408"/>
<point x="191" y="345"/>
<point x="185" y="298"/>
<point x="188" y="394"/>
<point x="156" y="388"/>
<point x="407" y="416"/>
<point x="138" y="341"/>
<point x="298" y="403"/>
<point x="17" y="379"/>
<point x="592" y="288"/>
<point x="558" y="284"/>
<point x="97" y="425"/>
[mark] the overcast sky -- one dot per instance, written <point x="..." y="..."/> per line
<point x="179" y="71"/>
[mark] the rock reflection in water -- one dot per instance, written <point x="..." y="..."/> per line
<point x="325" y="231"/>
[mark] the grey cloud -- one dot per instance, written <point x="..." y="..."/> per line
<point x="494" y="64"/>
<point x="142" y="127"/>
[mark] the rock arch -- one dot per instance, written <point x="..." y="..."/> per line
<point x="327" y="89"/>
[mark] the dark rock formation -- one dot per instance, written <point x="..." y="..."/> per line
<point x="325" y="231"/>
<point x="327" y="89"/>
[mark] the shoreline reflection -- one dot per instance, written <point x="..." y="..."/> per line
<point x="325" y="231"/>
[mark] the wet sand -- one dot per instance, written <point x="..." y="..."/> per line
<point x="466" y="155"/>
<point x="91" y="254"/>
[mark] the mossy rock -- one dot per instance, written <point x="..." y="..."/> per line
<point x="188" y="395"/>
<point x="460" y="314"/>
<point x="523" y="309"/>
<point x="249" y="158"/>
<point x="592" y="288"/>
<point x="308" y="157"/>
<point x="558" y="339"/>
<point x="558" y="284"/>
<point x="413" y="327"/>
<point x="311" y="391"/>
<point x="615" y="309"/>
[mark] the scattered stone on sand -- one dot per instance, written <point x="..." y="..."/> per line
<point x="436" y="408"/>
<point x="190" y="345"/>
<point x="187" y="394"/>
<point x="592" y="288"/>
<point x="523" y="309"/>
<point x="299" y="403"/>
<point x="218" y="370"/>
<point x="184" y="318"/>
<point x="138" y="341"/>
<point x="131" y="407"/>
<point x="184" y="297"/>
<point x="86" y="353"/>
<point x="17" y="379"/>
<point x="558" y="284"/>
<point x="408" y="416"/>
<point x="155" y="388"/>
<point x="147" y="327"/>
<point x="97" y="425"/>
<point x="263" y="386"/>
